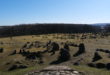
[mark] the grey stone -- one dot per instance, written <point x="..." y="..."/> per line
<point x="76" y="72"/>
<point x="55" y="70"/>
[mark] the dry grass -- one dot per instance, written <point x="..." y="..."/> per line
<point x="17" y="42"/>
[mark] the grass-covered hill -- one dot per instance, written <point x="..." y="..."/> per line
<point x="22" y="54"/>
<point x="28" y="47"/>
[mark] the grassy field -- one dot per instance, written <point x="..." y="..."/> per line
<point x="10" y="44"/>
<point x="87" y="70"/>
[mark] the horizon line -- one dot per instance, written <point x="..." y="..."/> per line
<point x="52" y="23"/>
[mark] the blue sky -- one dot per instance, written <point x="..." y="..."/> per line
<point x="54" y="11"/>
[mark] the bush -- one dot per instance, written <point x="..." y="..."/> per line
<point x="1" y="50"/>
<point x="100" y="65"/>
<point x="53" y="48"/>
<point x="108" y="66"/>
<point x="80" y="51"/>
<point x="66" y="47"/>
<point x="13" y="53"/>
<point x="96" y="57"/>
<point x="76" y="63"/>
<point x="64" y="55"/>
<point x="91" y="65"/>
<point x="22" y="66"/>
<point x="13" y="67"/>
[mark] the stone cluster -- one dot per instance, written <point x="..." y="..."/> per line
<point x="56" y="70"/>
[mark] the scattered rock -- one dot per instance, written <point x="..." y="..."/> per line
<point x="56" y="70"/>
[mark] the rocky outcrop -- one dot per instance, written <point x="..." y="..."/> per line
<point x="56" y="70"/>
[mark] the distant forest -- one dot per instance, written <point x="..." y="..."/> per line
<point x="34" y="29"/>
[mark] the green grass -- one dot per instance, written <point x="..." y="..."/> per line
<point x="91" y="71"/>
<point x="23" y="71"/>
<point x="87" y="70"/>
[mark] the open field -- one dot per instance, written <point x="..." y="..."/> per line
<point x="8" y="57"/>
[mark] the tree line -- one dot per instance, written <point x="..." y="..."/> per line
<point x="34" y="29"/>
